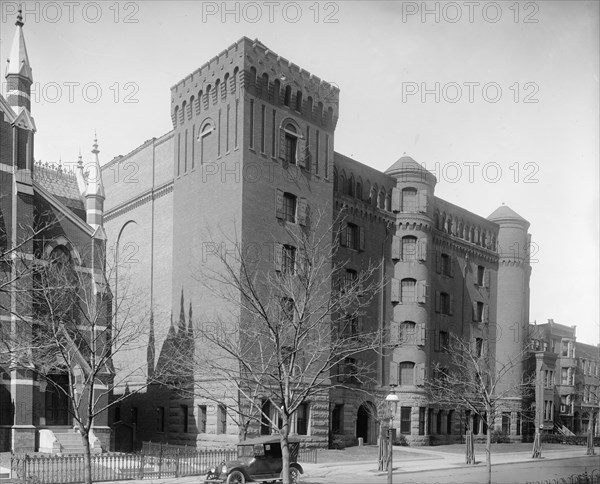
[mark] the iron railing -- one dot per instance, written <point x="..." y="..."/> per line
<point x="592" y="477"/>
<point x="156" y="461"/>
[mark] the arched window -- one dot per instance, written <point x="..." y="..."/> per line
<point x="287" y="98"/>
<point x="299" y="101"/>
<point x="226" y="86"/>
<point x="381" y="203"/>
<point x="359" y="193"/>
<point x="406" y="373"/>
<point x="234" y="79"/>
<point x="409" y="200"/>
<point x="409" y="248"/>
<point x="319" y="115"/>
<point x="335" y="180"/>
<point x="373" y="195"/>
<point x="291" y="143"/>
<point x="191" y="110"/>
<point x="276" y="91"/>
<point x="206" y="140"/>
<point x="253" y="79"/>
<point x="408" y="291"/>
<point x="351" y="186"/>
<point x="436" y="220"/>
<point x="407" y="333"/>
<point x="309" y="106"/>
<point x="265" y="85"/>
<point x="183" y="112"/>
<point x="217" y="91"/>
<point x="176" y="115"/>
<point x="329" y="116"/>
<point x="208" y="94"/>
<point x="388" y="202"/>
<point x="343" y="185"/>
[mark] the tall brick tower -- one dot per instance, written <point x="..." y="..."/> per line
<point x="252" y="133"/>
<point x="512" y="314"/>
<point x="412" y="202"/>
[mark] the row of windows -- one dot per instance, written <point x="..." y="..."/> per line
<point x="271" y="422"/>
<point x="184" y="414"/>
<point x="204" y="98"/>
<point x="364" y="191"/>
<point x="470" y="233"/>
<point x="272" y="91"/>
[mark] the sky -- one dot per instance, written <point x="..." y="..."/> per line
<point x="500" y="100"/>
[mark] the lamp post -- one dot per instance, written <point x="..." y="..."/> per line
<point x="392" y="402"/>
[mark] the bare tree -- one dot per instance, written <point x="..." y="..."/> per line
<point x="293" y="334"/>
<point x="73" y="338"/>
<point x="475" y="382"/>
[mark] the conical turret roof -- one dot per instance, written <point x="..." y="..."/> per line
<point x="18" y="62"/>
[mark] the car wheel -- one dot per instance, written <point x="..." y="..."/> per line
<point x="294" y="475"/>
<point x="236" y="477"/>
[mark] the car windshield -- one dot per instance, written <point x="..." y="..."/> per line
<point x="245" y="451"/>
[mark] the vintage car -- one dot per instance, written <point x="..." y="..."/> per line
<point x="258" y="460"/>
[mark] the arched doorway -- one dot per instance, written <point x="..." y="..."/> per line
<point x="365" y="427"/>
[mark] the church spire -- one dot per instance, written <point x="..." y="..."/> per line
<point x="94" y="193"/>
<point x="19" y="75"/>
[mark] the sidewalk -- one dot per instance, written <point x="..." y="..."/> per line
<point x="423" y="460"/>
<point x="409" y="459"/>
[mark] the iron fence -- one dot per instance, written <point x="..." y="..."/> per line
<point x="156" y="461"/>
<point x="585" y="478"/>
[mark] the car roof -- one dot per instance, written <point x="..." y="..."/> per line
<point x="265" y="439"/>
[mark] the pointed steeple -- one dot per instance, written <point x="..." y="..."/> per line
<point x="182" y="326"/>
<point x="19" y="74"/>
<point x="94" y="193"/>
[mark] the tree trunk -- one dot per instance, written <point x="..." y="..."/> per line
<point x="285" y="449"/>
<point x="488" y="445"/>
<point x="87" y="457"/>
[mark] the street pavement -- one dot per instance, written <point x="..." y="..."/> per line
<point x="415" y="464"/>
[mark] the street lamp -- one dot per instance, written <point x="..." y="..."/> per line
<point x="392" y="402"/>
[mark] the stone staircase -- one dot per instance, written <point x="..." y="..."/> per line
<point x="66" y="441"/>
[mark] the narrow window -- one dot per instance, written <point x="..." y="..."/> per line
<point x="326" y="156"/>
<point x="299" y="101"/>
<point x="409" y="294"/>
<point x="289" y="207"/>
<point x="273" y="149"/>
<point x="479" y="315"/>
<point x="219" y="134"/>
<point x="184" y="419"/>
<point x="178" y="154"/>
<point x="202" y="419"/>
<point x="337" y="419"/>
<point x="302" y="417"/>
<point x="193" y="144"/>
<point x="237" y="103"/>
<point x="445" y="303"/>
<point x="406" y="373"/>
<point x="480" y="275"/>
<point x="185" y="151"/>
<point x="263" y="131"/>
<point x="446" y="265"/>
<point x="449" y="422"/>
<point x="352" y="234"/>
<point x="409" y="248"/>
<point x="405" y="413"/>
<point x="265" y="424"/>
<point x="221" y="419"/>
<point x="444" y="340"/>
<point x="317" y="152"/>
<point x="288" y="96"/>
<point x="291" y="142"/>
<point x="226" y="130"/>
<point x="288" y="259"/>
<point x="409" y="200"/>
<point x="252" y="123"/>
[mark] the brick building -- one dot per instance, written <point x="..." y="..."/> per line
<point x="253" y="132"/>
<point x="45" y="210"/>
<point x="568" y="379"/>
